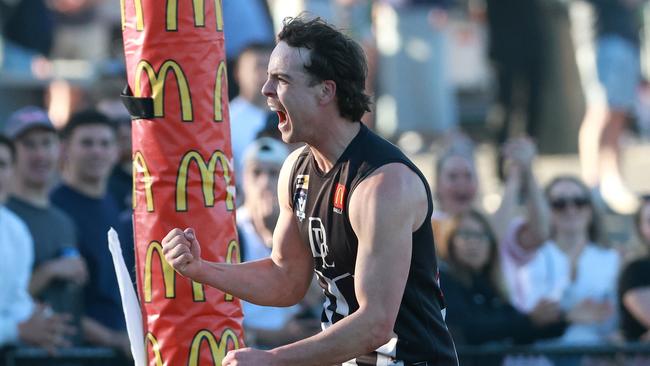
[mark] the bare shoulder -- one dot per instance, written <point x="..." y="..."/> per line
<point x="285" y="176"/>
<point x="394" y="189"/>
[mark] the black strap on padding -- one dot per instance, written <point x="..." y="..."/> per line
<point x="138" y="107"/>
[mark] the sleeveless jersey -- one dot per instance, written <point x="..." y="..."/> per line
<point x="319" y="202"/>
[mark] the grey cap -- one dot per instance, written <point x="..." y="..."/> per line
<point x="25" y="119"/>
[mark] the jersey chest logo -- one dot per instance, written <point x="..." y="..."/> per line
<point x="318" y="241"/>
<point x="300" y="196"/>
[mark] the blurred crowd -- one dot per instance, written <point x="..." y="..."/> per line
<point x="447" y="76"/>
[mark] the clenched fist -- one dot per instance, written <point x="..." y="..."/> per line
<point x="182" y="251"/>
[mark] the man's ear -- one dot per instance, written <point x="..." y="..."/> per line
<point x="327" y="91"/>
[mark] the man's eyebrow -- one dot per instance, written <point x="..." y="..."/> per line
<point x="280" y="74"/>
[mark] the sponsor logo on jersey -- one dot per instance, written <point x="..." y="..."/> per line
<point x="339" y="198"/>
<point x="318" y="241"/>
<point x="300" y="196"/>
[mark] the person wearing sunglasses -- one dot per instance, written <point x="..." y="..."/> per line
<point x="572" y="267"/>
<point x="479" y="311"/>
<point x="634" y="284"/>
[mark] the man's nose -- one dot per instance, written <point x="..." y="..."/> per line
<point x="268" y="89"/>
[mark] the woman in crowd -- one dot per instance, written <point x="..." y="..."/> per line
<point x="572" y="268"/>
<point x="634" y="284"/>
<point x="477" y="312"/>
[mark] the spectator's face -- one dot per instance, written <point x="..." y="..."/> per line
<point x="456" y="185"/>
<point x="292" y="94"/>
<point x="37" y="157"/>
<point x="471" y="244"/>
<point x="644" y="222"/>
<point x="5" y="171"/>
<point x="91" y="152"/>
<point x="570" y="206"/>
<point x="260" y="189"/>
<point x="251" y="74"/>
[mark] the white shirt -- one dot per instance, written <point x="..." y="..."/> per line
<point x="546" y="274"/>
<point x="16" y="259"/>
<point x="246" y="120"/>
<point x="256" y="316"/>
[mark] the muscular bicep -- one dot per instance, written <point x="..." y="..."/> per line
<point x="291" y="256"/>
<point x="385" y="209"/>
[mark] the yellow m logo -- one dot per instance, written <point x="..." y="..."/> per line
<point x="199" y="14"/>
<point x="169" y="276"/>
<point x="232" y="256"/>
<point x="207" y="179"/>
<point x="218" y="91"/>
<point x="140" y="167"/>
<point x="139" y="19"/>
<point x="155" y="347"/>
<point x="157" y="83"/>
<point x="217" y="349"/>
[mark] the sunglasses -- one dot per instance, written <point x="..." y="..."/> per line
<point x="471" y="235"/>
<point x="561" y="203"/>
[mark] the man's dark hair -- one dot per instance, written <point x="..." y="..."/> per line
<point x="5" y="141"/>
<point x="84" y="118"/>
<point x="333" y="56"/>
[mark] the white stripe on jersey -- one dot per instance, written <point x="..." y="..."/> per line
<point x="389" y="349"/>
<point x="342" y="306"/>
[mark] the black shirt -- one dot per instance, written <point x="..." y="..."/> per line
<point x="320" y="204"/>
<point x="634" y="276"/>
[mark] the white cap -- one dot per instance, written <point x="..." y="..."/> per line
<point x="267" y="150"/>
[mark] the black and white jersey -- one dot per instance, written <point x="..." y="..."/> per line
<point x="319" y="202"/>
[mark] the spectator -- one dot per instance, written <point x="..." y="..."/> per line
<point x="59" y="271"/>
<point x="634" y="284"/>
<point x="266" y="327"/>
<point x="611" y="96"/>
<point x="457" y="186"/>
<point x="248" y="111"/>
<point x="89" y="154"/>
<point x="478" y="312"/>
<point x="21" y="321"/>
<point x="571" y="267"/>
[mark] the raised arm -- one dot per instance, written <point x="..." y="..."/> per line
<point x="520" y="154"/>
<point x="384" y="230"/>
<point x="280" y="280"/>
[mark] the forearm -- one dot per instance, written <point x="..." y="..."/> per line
<point x="538" y="215"/>
<point x="260" y="282"/>
<point x="41" y="277"/>
<point x="333" y="345"/>
<point x="508" y="208"/>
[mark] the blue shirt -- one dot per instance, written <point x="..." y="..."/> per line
<point x="93" y="217"/>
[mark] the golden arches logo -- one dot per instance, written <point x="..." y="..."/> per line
<point x="155" y="347"/>
<point x="218" y="350"/>
<point x="140" y="167"/>
<point x="169" y="276"/>
<point x="233" y="255"/>
<point x="207" y="172"/>
<point x="199" y="14"/>
<point x="218" y="91"/>
<point x="139" y="18"/>
<point x="157" y="83"/>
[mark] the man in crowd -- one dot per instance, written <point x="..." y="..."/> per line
<point x="21" y="321"/>
<point x="59" y="271"/>
<point x="89" y="154"/>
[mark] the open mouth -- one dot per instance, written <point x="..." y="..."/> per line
<point x="282" y="115"/>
